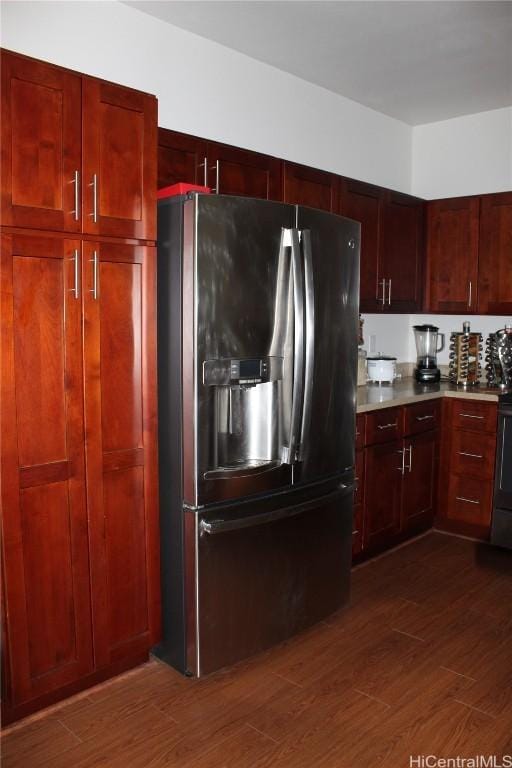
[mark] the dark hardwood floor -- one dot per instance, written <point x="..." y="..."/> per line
<point x="420" y="664"/>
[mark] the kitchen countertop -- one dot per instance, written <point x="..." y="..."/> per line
<point x="406" y="391"/>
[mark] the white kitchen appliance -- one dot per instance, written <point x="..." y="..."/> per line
<point x="381" y="369"/>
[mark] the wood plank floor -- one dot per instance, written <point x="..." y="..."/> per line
<point x="419" y="664"/>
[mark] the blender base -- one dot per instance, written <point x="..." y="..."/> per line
<point x="427" y="375"/>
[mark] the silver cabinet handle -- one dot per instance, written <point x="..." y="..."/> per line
<point x="469" y="501"/>
<point x="387" y="426"/>
<point x="410" y="458"/>
<point x="76" y="184"/>
<point x="94" y="261"/>
<point x="424" y="418"/>
<point x="76" y="288"/>
<point x="383" y="283"/>
<point x="472" y="455"/>
<point x="389" y="292"/>
<point x="204" y="166"/>
<point x="216" y="168"/>
<point x="402" y="468"/>
<point x="470" y="291"/>
<point x="94" y="185"/>
<point x="471" y="416"/>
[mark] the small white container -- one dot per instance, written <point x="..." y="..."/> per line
<point x="381" y="369"/>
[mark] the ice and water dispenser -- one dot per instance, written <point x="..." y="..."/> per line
<point x="247" y="413"/>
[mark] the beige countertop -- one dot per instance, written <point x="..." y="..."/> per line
<point x="405" y="391"/>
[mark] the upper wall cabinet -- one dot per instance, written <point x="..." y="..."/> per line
<point x="310" y="187"/>
<point x="495" y="259"/>
<point x="400" y="265"/>
<point x="181" y="158"/>
<point x="227" y="170"/>
<point x="41" y="145"/>
<point x="119" y="161"/>
<point x="452" y="255"/>
<point x="77" y="153"/>
<point x="362" y="202"/>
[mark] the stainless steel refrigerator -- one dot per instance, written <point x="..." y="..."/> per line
<point x="257" y="356"/>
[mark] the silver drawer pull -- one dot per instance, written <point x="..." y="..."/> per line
<point x="424" y="418"/>
<point x="469" y="501"/>
<point x="472" y="455"/>
<point x="387" y="426"/>
<point x="471" y="416"/>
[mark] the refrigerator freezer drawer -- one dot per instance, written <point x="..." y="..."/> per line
<point x="262" y="581"/>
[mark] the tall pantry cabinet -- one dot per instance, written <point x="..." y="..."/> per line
<point x="78" y="381"/>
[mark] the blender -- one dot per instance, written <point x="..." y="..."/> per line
<point x="426" y="337"/>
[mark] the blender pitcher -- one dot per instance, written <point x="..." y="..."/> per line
<point x="426" y="337"/>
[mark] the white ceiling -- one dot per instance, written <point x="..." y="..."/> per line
<point x="416" y="61"/>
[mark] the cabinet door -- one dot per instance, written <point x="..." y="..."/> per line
<point x="495" y="257"/>
<point x="362" y="202"/>
<point x="358" y="517"/>
<point x="383" y="482"/>
<point x="120" y="418"/>
<point x="233" y="171"/>
<point x="181" y="158"/>
<point x="401" y="252"/>
<point x="41" y="145"/>
<point x="44" y="527"/>
<point x="310" y="187"/>
<point x="119" y="161"/>
<point x="419" y="481"/>
<point x="452" y="254"/>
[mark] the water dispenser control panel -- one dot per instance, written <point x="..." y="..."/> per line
<point x="246" y="371"/>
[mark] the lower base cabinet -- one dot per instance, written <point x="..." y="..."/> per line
<point x="419" y="481"/>
<point x="400" y="475"/>
<point x="383" y="494"/>
<point x="466" y="482"/>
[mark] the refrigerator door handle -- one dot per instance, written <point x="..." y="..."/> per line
<point x="222" y="526"/>
<point x="309" y="292"/>
<point x="298" y="350"/>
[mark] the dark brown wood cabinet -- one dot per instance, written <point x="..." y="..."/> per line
<point x="181" y="158"/>
<point x="308" y="186"/>
<point x="226" y="170"/>
<point x="233" y="171"/>
<point x="383" y="485"/>
<point x="78" y="386"/>
<point x="120" y="418"/>
<point x="466" y="479"/>
<point x="362" y="202"/>
<point x="41" y="145"/>
<point x="452" y="255"/>
<point x="419" y="481"/>
<point x="119" y="161"/>
<point x="401" y="461"/>
<point x="44" y="524"/>
<point x="495" y="255"/>
<point x="400" y="265"/>
<point x="78" y="154"/>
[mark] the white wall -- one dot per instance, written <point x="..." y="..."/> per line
<point x="394" y="334"/>
<point x="468" y="155"/>
<point x="212" y="91"/>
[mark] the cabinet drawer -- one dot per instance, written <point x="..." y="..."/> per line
<point x="472" y="454"/>
<point x="421" y="417"/>
<point x="383" y="426"/>
<point x="470" y="500"/>
<point x="360" y="420"/>
<point x="474" y="415"/>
